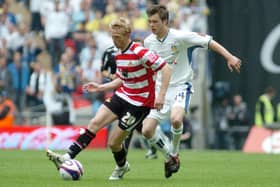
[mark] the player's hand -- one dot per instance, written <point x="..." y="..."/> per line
<point x="159" y="103"/>
<point x="91" y="87"/>
<point x="234" y="63"/>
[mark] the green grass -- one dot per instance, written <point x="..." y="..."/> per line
<point x="198" y="169"/>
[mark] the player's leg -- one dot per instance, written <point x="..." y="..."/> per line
<point x="130" y="117"/>
<point x="116" y="140"/>
<point x="127" y="141"/>
<point x="159" y="141"/>
<point x="151" y="154"/>
<point x="152" y="151"/>
<point x="103" y="117"/>
<point x="180" y="105"/>
<point x="155" y="139"/>
<point x="176" y="119"/>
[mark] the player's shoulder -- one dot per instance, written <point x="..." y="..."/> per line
<point x="150" y="38"/>
<point x="137" y="47"/>
<point x="175" y="33"/>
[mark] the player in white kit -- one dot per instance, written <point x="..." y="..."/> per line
<point x="175" y="47"/>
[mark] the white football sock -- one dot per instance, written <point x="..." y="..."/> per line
<point x="176" y="135"/>
<point x="66" y="156"/>
<point x="161" y="143"/>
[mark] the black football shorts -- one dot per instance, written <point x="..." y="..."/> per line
<point x="130" y="116"/>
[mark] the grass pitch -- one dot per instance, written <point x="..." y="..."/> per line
<point x="198" y="169"/>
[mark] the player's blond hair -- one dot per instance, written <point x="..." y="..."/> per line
<point x="122" y="24"/>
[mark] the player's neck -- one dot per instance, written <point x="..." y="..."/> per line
<point x="163" y="33"/>
<point x="126" y="46"/>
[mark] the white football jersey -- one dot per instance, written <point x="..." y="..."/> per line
<point x="176" y="48"/>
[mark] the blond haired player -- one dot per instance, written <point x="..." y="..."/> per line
<point x="131" y="102"/>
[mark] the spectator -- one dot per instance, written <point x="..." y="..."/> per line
<point x="29" y="51"/>
<point x="277" y="116"/>
<point x="8" y="16"/>
<point x="6" y="81"/>
<point x="92" y="71"/>
<point x="75" y="4"/>
<point x="56" y="28"/>
<point x="221" y="112"/>
<point x="20" y="74"/>
<point x="238" y="121"/>
<point x="103" y="38"/>
<point x="7" y="110"/>
<point x="70" y="51"/>
<point x="68" y="7"/>
<point x="139" y="20"/>
<point x="62" y="116"/>
<point x="264" y="113"/>
<point x="110" y="14"/>
<point x="13" y="41"/>
<point x="36" y="87"/>
<point x="24" y="34"/>
<point x="84" y="14"/>
<point x="3" y="27"/>
<point x="93" y="25"/>
<point x="187" y="135"/>
<point x="66" y="74"/>
<point x="100" y="6"/>
<point x="3" y="44"/>
<point x="27" y="46"/>
<point x="88" y="52"/>
<point x="36" y="24"/>
<point x="46" y="7"/>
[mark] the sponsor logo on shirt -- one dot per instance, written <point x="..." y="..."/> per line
<point x="174" y="49"/>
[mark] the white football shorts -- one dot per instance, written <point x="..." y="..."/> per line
<point x="175" y="96"/>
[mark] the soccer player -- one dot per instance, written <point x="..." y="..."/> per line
<point x="137" y="68"/>
<point x="175" y="47"/>
<point x="108" y="70"/>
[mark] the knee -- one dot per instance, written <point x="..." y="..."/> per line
<point x="176" y="122"/>
<point x="147" y="132"/>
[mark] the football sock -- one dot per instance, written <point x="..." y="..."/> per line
<point x="120" y="157"/>
<point x="127" y="141"/>
<point x="82" y="142"/>
<point x="162" y="144"/>
<point x="176" y="135"/>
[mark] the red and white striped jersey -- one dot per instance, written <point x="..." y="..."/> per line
<point x="137" y="67"/>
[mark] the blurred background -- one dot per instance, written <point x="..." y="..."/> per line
<point x="50" y="48"/>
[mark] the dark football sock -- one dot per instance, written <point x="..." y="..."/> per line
<point x="120" y="157"/>
<point x="82" y="142"/>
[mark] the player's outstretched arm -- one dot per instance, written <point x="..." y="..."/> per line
<point x="233" y="62"/>
<point x="95" y="87"/>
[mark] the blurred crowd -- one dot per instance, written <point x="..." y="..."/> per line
<point x="232" y="119"/>
<point x="75" y="36"/>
